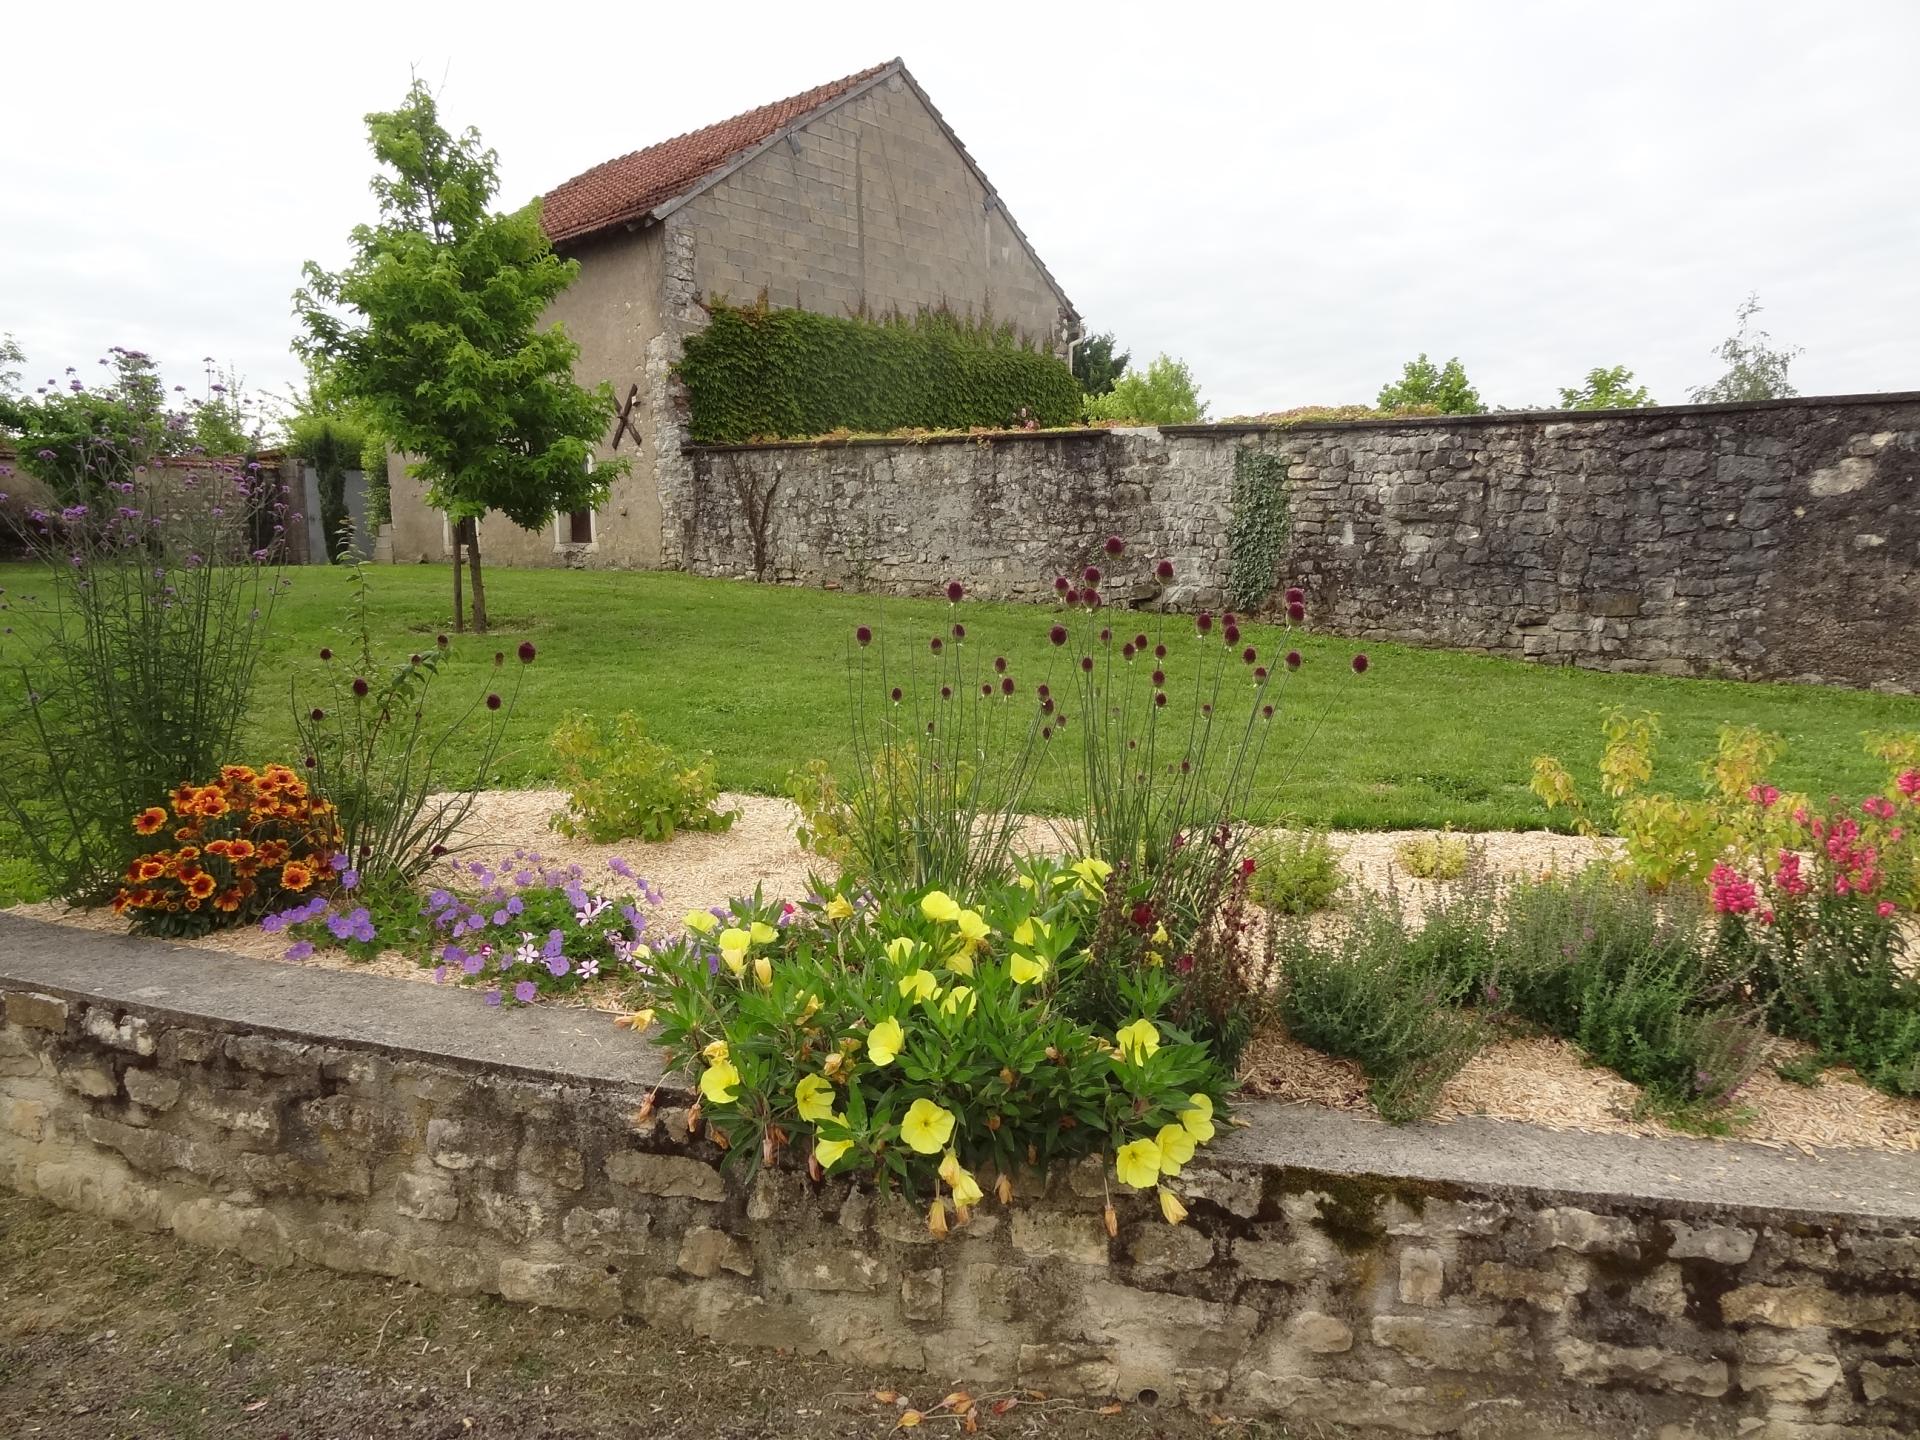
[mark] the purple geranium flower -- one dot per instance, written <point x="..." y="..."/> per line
<point x="300" y="950"/>
<point x="525" y="991"/>
<point x="493" y="996"/>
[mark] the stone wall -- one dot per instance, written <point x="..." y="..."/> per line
<point x="1440" y="1295"/>
<point x="1778" y="540"/>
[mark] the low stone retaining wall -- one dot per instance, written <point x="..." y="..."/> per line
<point x="1475" y="1280"/>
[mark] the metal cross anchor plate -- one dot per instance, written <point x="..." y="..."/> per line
<point x="623" y="422"/>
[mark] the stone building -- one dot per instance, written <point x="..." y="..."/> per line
<point x="856" y="194"/>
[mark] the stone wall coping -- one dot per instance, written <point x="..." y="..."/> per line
<point x="559" y="1044"/>
<point x="1225" y="428"/>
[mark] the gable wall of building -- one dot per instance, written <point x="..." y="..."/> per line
<point x="869" y="205"/>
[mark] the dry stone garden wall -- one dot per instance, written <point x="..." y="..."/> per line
<point x="1398" y="1304"/>
<point x="1778" y="540"/>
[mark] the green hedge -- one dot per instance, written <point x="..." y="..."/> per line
<point x="763" y="374"/>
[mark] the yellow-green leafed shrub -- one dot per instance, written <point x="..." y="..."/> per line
<point x="1296" y="874"/>
<point x="621" y="785"/>
<point x="1444" y="856"/>
<point x="944" y="1044"/>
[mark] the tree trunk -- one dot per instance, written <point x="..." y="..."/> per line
<point x="458" y="529"/>
<point x="479" y="590"/>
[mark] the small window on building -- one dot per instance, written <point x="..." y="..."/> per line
<point x="580" y="527"/>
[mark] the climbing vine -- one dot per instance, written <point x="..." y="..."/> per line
<point x="763" y="374"/>
<point x="1257" y="532"/>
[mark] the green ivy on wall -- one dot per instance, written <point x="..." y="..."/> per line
<point x="1257" y="531"/>
<point x="766" y="374"/>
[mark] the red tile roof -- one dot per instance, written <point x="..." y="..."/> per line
<point x="624" y="189"/>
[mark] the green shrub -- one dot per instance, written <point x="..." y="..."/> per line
<point x="1435" y="857"/>
<point x="1164" y="394"/>
<point x="621" y="785"/>
<point x="1296" y="874"/>
<point x="1369" y="995"/>
<point x="1849" y="995"/>
<point x="760" y="373"/>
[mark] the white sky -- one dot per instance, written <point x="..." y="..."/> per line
<point x="1294" y="198"/>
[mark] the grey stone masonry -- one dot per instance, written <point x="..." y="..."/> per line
<point x="1778" y="540"/>
<point x="1475" y="1279"/>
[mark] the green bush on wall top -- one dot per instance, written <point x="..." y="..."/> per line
<point x="760" y="373"/>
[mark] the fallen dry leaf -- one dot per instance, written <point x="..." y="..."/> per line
<point x="958" y="1400"/>
<point x="908" y="1419"/>
<point x="886" y="1397"/>
<point x="1001" y="1407"/>
<point x="1114" y="1409"/>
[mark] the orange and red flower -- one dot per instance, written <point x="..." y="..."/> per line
<point x="149" y="821"/>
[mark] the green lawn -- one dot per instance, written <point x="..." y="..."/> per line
<point x="756" y="674"/>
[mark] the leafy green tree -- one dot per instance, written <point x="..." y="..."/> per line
<point x="1756" y="370"/>
<point x="442" y="347"/>
<point x="1605" y="389"/>
<point x="1434" y="388"/>
<point x="1164" y="395"/>
<point x="1095" y="365"/>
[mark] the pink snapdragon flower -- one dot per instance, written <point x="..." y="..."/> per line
<point x="1733" y="893"/>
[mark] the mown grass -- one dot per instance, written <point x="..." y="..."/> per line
<point x="757" y="675"/>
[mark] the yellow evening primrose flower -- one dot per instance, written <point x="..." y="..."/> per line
<point x="813" y="1097"/>
<point x="1198" y="1122"/>
<point x="715" y="1052"/>
<point x="955" y="999"/>
<point x="973" y="929"/>
<point x="1170" y="1206"/>
<point x="1031" y="931"/>
<point x="1092" y="873"/>
<point x="1025" y="881"/>
<point x="1138" y="1041"/>
<point x="927" y="1127"/>
<point x="919" y="985"/>
<point x="733" y="948"/>
<point x="966" y="1190"/>
<point x="717" y="1082"/>
<point x="763" y="970"/>
<point x="885" y="1041"/>
<point x="961" y="961"/>
<point x="762" y="933"/>
<point x="1176" y="1148"/>
<point x="839" y="908"/>
<point x="900" y="949"/>
<point x="1159" y="934"/>
<point x="1025" y="969"/>
<point x="701" y="922"/>
<point x="828" y="1152"/>
<point x="940" y="906"/>
<point x="811" y="1008"/>
<point x="1137" y="1163"/>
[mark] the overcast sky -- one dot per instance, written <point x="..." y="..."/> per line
<point x="1294" y="198"/>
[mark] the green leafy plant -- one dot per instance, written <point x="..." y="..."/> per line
<point x="402" y="782"/>
<point x="1258" y="527"/>
<point x="924" y="1043"/>
<point x="1425" y="386"/>
<point x="447" y="354"/>
<point x="1442" y="856"/>
<point x="1096" y="366"/>
<point x="1756" y="368"/>
<point x="1368" y="994"/>
<point x="623" y="785"/>
<point x="1296" y="874"/>
<point x="757" y="373"/>
<point x="1164" y="394"/>
<point x="1606" y="389"/>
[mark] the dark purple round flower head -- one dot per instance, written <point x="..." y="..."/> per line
<point x="326" y="653"/>
<point x="1230" y="633"/>
<point x="359" y="686"/>
<point x="946" y="692"/>
<point x="955" y="590"/>
<point x="1164" y="570"/>
<point x="493" y="701"/>
<point x="1115" y="545"/>
<point x="1360" y="664"/>
<point x="1126" y="651"/>
<point x="1266" y="712"/>
<point x="1140" y="642"/>
<point x="1086" y="663"/>
<point x="1227" y="617"/>
<point x="499" y="658"/>
<point x="415" y="658"/>
<point x="1296" y="612"/>
<point x="1006" y="685"/>
<point x="1106" y="636"/>
<point x="1159" y="697"/>
<point x="1058" y="634"/>
<point x="1159" y="677"/>
<point x="999" y="664"/>
<point x="1203" y="622"/>
<point x="1296" y="596"/>
<point x="1060" y="584"/>
<point x="1072" y="597"/>
<point x="1159" y="652"/>
<point x="1259" y="672"/>
<point x="1091" y="597"/>
<point x="986" y="687"/>
<point x="1046" y="732"/>
<point x="312" y="764"/>
<point x="959" y="632"/>
<point x="1249" y="655"/>
<point x="526" y="652"/>
<point x="1091" y="574"/>
<point x="863" y="634"/>
<point x="896" y="695"/>
<point x="441" y="641"/>
<point x="1293" y="659"/>
<point x="936" y="644"/>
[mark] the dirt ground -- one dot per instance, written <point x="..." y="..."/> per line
<point x="111" y="1334"/>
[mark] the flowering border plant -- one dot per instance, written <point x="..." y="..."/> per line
<point x="929" y="1043"/>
